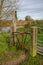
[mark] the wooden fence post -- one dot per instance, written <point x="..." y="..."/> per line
<point x="22" y="40"/>
<point x="13" y="29"/>
<point x="33" y="45"/>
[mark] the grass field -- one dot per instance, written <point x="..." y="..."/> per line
<point x="4" y="48"/>
<point x="33" y="61"/>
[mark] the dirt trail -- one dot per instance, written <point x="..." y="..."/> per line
<point x="15" y="61"/>
<point x="41" y="62"/>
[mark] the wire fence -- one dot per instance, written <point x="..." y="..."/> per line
<point x="40" y="34"/>
<point x="40" y="42"/>
<point x="40" y="28"/>
<point x="40" y="49"/>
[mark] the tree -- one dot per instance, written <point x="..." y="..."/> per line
<point x="6" y="9"/>
<point x="28" y="18"/>
<point x="1" y="4"/>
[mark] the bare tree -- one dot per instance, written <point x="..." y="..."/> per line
<point x="7" y="6"/>
<point x="8" y="9"/>
<point x="1" y="4"/>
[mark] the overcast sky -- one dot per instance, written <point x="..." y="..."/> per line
<point x="33" y="8"/>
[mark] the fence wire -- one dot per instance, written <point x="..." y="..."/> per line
<point x="40" y="42"/>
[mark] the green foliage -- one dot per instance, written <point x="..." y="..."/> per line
<point x="28" y="18"/>
<point x="4" y="48"/>
<point x="32" y="60"/>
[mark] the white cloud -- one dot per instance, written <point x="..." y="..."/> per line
<point x="33" y="8"/>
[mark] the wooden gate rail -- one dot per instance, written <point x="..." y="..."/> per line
<point x="21" y="32"/>
<point x="17" y="40"/>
